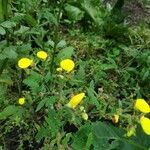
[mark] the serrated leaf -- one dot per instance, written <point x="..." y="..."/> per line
<point x="2" y="31"/>
<point x="8" y="24"/>
<point x="8" y="111"/>
<point x="41" y="104"/>
<point x="61" y="44"/>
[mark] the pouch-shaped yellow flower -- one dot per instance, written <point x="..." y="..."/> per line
<point x="42" y="55"/>
<point x="145" y="123"/>
<point x="67" y="65"/>
<point x="75" y="100"/>
<point x="24" y="63"/>
<point x="142" y="105"/>
<point x="21" y="101"/>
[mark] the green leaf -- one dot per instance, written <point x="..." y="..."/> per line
<point x="91" y="10"/>
<point x="74" y="13"/>
<point x="8" y="24"/>
<point x="109" y="137"/>
<point x="8" y="111"/>
<point x="83" y="138"/>
<point x="61" y="44"/>
<point x="30" y="20"/>
<point x="22" y="30"/>
<point x="4" y="78"/>
<point x="9" y="52"/>
<point x="92" y="97"/>
<point x="2" y="31"/>
<point x="65" y="53"/>
<point x="33" y="81"/>
<point x="41" y="104"/>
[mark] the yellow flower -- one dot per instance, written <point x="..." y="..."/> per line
<point x="42" y="54"/>
<point x="67" y="65"/>
<point x="21" y="101"/>
<point x="142" y="105"/>
<point x="24" y="63"/>
<point x="85" y="116"/>
<point x="115" y="119"/>
<point x="145" y="123"/>
<point x="131" y="132"/>
<point x="75" y="100"/>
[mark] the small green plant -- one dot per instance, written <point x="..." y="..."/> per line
<point x="72" y="76"/>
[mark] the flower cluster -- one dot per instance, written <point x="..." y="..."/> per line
<point x="143" y="106"/>
<point x="66" y="65"/>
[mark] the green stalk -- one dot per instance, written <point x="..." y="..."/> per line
<point x="56" y="40"/>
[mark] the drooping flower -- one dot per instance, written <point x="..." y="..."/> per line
<point x="85" y="116"/>
<point x="145" y="123"/>
<point x="21" y="101"/>
<point x="67" y="64"/>
<point x="24" y="63"/>
<point x="42" y="55"/>
<point x="142" y="105"/>
<point x="75" y="100"/>
<point x="115" y="119"/>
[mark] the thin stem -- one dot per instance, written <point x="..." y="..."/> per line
<point x="56" y="40"/>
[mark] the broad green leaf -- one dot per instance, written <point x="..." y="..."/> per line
<point x="9" y="52"/>
<point x="65" y="53"/>
<point x="2" y="31"/>
<point x="109" y="137"/>
<point x="91" y="10"/>
<point x="74" y="13"/>
<point x="22" y="30"/>
<point x="83" y="138"/>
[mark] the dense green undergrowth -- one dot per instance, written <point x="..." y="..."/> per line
<point x="111" y="60"/>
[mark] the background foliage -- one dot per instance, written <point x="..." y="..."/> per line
<point x="112" y="60"/>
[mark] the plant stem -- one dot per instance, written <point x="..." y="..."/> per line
<point x="56" y="40"/>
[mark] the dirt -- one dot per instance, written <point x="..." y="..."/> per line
<point x="137" y="11"/>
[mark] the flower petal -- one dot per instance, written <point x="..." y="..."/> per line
<point x="142" y="105"/>
<point x="145" y="123"/>
<point x="21" y="101"/>
<point x="75" y="100"/>
<point x="67" y="65"/>
<point x="42" y="54"/>
<point x="24" y="63"/>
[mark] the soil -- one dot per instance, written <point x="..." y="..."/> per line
<point x="137" y="11"/>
